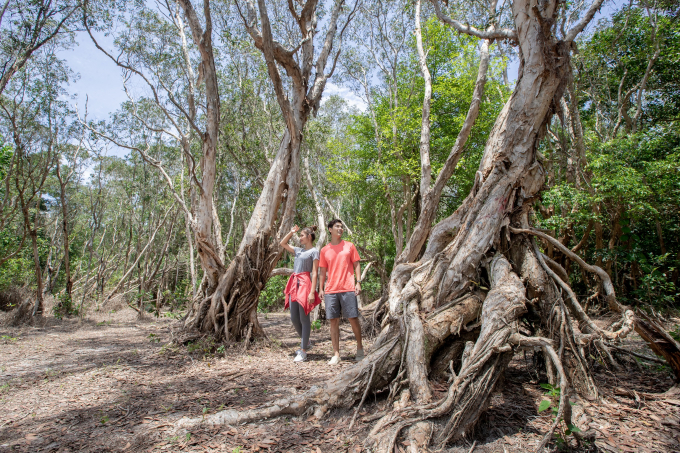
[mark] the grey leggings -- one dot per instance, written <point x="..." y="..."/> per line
<point x="300" y="322"/>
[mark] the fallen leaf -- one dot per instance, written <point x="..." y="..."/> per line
<point x="128" y="445"/>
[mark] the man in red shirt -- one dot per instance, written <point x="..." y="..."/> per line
<point x="339" y="264"/>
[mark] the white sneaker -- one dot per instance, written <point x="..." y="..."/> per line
<point x="301" y="357"/>
<point x="359" y="356"/>
<point x="335" y="360"/>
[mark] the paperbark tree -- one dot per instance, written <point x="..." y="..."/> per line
<point x="29" y="104"/>
<point x="64" y="174"/>
<point x="226" y="302"/>
<point x="230" y="310"/>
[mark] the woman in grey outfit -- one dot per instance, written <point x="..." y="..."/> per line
<point x="301" y="295"/>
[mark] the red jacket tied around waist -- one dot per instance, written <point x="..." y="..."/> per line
<point x="297" y="289"/>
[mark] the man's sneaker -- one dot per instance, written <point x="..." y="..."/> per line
<point x="360" y="355"/>
<point x="301" y="357"/>
<point x="335" y="360"/>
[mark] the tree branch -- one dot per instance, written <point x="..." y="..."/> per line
<point x="583" y="23"/>
<point x="504" y="33"/>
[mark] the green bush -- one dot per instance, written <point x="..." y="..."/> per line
<point x="271" y="297"/>
<point x="65" y="307"/>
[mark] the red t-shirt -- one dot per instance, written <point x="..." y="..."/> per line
<point x="339" y="263"/>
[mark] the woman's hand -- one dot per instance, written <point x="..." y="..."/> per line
<point x="310" y="298"/>
<point x="284" y="241"/>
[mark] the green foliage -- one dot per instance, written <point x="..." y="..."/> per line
<point x="8" y="339"/>
<point x="634" y="180"/>
<point x="6" y="152"/>
<point x="374" y="164"/>
<point x="64" y="307"/>
<point x="545" y="404"/>
<point x="553" y="395"/>
<point x="271" y="297"/>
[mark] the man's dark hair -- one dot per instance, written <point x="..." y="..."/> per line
<point x="332" y="223"/>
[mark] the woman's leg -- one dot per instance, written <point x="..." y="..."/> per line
<point x="295" y="308"/>
<point x="306" y="327"/>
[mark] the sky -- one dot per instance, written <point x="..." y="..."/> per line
<point x="100" y="80"/>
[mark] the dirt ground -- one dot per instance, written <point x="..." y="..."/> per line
<point x="114" y="383"/>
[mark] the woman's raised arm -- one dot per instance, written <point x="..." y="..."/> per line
<point x="284" y="241"/>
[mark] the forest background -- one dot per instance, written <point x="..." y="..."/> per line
<point x="87" y="213"/>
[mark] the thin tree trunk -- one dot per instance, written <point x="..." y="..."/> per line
<point x="64" y="225"/>
<point x="321" y="240"/>
<point x="425" y="167"/>
<point x="33" y="233"/>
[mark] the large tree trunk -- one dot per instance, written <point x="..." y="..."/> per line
<point x="228" y="309"/>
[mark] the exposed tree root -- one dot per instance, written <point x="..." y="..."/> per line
<point x="344" y="390"/>
<point x="659" y="341"/>
<point x="483" y="362"/>
<point x="654" y="334"/>
<point x="546" y="344"/>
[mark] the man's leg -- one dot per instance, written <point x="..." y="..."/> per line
<point x="335" y="335"/>
<point x="356" y="328"/>
<point x="351" y="311"/>
<point x="333" y="314"/>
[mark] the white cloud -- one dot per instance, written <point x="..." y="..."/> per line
<point x="345" y="93"/>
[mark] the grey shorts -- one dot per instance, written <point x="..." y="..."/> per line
<point x="345" y="301"/>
